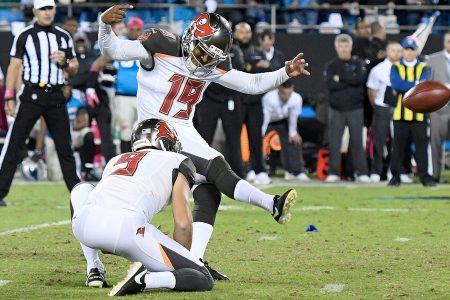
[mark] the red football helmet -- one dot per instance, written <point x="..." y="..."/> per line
<point x="206" y="43"/>
<point x="155" y="133"/>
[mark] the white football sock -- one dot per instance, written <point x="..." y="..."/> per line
<point x="245" y="192"/>
<point x="158" y="280"/>
<point x="92" y="258"/>
<point x="201" y="233"/>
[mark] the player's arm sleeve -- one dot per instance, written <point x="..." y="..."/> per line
<point x="186" y="168"/>
<point x="118" y="49"/>
<point x="252" y="84"/>
<point x="18" y="46"/>
<point x="398" y="83"/>
<point x="70" y="51"/>
<point x="293" y="117"/>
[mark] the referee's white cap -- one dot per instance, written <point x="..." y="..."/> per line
<point x="43" y="3"/>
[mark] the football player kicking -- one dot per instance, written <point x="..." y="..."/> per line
<point x="173" y="75"/>
<point x="115" y="215"/>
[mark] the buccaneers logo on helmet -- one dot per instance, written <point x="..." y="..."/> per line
<point x="165" y="131"/>
<point x="201" y="27"/>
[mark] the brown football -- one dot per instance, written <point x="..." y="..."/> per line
<point x="427" y="96"/>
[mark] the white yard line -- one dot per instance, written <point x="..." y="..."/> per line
<point x="332" y="288"/>
<point x="402" y="239"/>
<point x="268" y="238"/>
<point x="33" y="227"/>
<point x="4" y="282"/>
<point x="365" y="209"/>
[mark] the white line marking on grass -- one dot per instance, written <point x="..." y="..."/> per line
<point x="4" y="282"/>
<point x="365" y="209"/>
<point x="230" y="207"/>
<point x="315" y="207"/>
<point x="268" y="238"/>
<point x="33" y="227"/>
<point x="332" y="288"/>
<point x="402" y="239"/>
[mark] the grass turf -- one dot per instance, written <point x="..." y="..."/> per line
<point x="355" y="247"/>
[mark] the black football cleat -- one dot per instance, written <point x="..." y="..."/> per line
<point x="216" y="275"/>
<point x="96" y="278"/>
<point x="395" y="181"/>
<point x="282" y="205"/>
<point x="2" y="202"/>
<point x="132" y="284"/>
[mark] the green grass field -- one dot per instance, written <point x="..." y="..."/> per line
<point x="369" y="246"/>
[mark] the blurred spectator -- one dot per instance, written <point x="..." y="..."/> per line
<point x="254" y="13"/>
<point x="281" y="109"/>
<point x="305" y="16"/>
<point x="439" y="63"/>
<point x="407" y="17"/>
<point x="120" y="29"/>
<point x="220" y="102"/>
<point x="254" y="62"/>
<point x="345" y="77"/>
<point x="82" y="139"/>
<point x="361" y="47"/>
<point x="377" y="44"/>
<point x="275" y="57"/>
<point x="234" y="15"/>
<point x="70" y="24"/>
<point x="404" y="75"/>
<point x="125" y="89"/>
<point x="383" y="100"/>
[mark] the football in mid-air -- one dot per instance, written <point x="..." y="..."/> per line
<point x="427" y="96"/>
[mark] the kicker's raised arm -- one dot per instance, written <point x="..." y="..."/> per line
<point x="263" y="82"/>
<point x="253" y="84"/>
<point x="110" y="45"/>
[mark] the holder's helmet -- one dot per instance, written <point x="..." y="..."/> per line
<point x="156" y="134"/>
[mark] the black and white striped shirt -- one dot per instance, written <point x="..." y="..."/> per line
<point x="34" y="46"/>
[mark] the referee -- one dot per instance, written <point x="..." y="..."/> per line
<point x="45" y="51"/>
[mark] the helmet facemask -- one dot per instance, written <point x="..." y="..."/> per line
<point x="200" y="53"/>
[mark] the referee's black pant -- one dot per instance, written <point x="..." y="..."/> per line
<point x="52" y="106"/>
<point x="419" y="134"/>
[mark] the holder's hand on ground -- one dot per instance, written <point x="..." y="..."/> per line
<point x="91" y="97"/>
<point x="115" y="13"/>
<point x="297" y="66"/>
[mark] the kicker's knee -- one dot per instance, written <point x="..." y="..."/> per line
<point x="222" y="176"/>
<point x="207" y="200"/>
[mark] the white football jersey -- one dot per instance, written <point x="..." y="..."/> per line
<point x="140" y="181"/>
<point x="166" y="89"/>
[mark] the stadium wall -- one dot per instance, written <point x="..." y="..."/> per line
<point x="318" y="49"/>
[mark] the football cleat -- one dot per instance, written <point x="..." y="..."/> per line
<point x="282" y="205"/>
<point x="216" y="275"/>
<point x="132" y="284"/>
<point x="2" y="202"/>
<point x="96" y="278"/>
